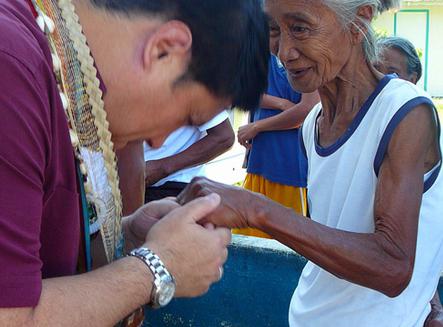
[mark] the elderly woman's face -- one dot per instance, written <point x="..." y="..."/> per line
<point x="312" y="43"/>
<point x="393" y="61"/>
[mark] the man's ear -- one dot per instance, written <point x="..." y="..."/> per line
<point x="173" y="38"/>
<point x="358" y="28"/>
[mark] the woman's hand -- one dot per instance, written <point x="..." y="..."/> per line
<point x="236" y="207"/>
<point x="246" y="134"/>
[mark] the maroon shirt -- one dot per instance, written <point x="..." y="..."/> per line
<point x="39" y="203"/>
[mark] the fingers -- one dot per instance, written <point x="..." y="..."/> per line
<point x="193" y="254"/>
<point x="194" y="190"/>
<point x="181" y="198"/>
<point x="170" y="198"/>
<point x="187" y="193"/>
<point x="209" y="226"/>
<point x="158" y="209"/>
<point x="166" y="202"/>
<point x="225" y="235"/>
<point x="245" y="142"/>
<point x="220" y="267"/>
<point x="224" y="257"/>
<point x="225" y="238"/>
<point x="201" y="207"/>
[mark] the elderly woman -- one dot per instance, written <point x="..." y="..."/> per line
<point x="375" y="241"/>
<point x="398" y="56"/>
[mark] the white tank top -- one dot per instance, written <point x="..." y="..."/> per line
<point x="342" y="180"/>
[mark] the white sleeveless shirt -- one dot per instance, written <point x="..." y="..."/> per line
<point x="342" y="180"/>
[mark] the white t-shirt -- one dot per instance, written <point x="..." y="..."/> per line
<point x="179" y="141"/>
<point x="342" y="181"/>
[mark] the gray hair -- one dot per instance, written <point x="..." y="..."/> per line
<point x="407" y="49"/>
<point x="347" y="11"/>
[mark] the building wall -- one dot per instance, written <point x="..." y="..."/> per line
<point x="411" y="23"/>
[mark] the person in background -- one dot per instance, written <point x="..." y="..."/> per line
<point x="183" y="155"/>
<point x="399" y="56"/>
<point x="275" y="165"/>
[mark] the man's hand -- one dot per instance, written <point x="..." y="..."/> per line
<point x="137" y="226"/>
<point x="246" y="134"/>
<point x="236" y="206"/>
<point x="192" y="253"/>
<point x="155" y="171"/>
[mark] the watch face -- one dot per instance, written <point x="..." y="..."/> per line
<point x="166" y="290"/>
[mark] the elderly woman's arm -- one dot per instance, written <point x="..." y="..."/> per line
<point x="382" y="260"/>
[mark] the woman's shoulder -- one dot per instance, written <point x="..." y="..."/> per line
<point x="399" y="88"/>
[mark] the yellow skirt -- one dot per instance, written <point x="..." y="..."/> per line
<point x="288" y="196"/>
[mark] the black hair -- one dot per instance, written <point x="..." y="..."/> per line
<point x="407" y="49"/>
<point x="230" y="48"/>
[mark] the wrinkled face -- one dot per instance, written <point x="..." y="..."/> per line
<point x="312" y="43"/>
<point x="393" y="61"/>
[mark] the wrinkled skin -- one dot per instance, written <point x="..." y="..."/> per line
<point x="234" y="208"/>
<point x="316" y="36"/>
<point x="393" y="61"/>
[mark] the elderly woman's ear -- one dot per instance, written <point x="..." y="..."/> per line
<point x="360" y="26"/>
<point x="366" y="13"/>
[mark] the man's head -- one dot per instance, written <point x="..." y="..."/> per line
<point x="398" y="55"/>
<point x="167" y="63"/>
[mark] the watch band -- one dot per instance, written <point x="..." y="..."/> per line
<point x="151" y="260"/>
<point x="158" y="269"/>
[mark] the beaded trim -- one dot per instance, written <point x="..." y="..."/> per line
<point x="82" y="101"/>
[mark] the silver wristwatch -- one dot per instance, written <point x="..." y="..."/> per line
<point x="163" y="288"/>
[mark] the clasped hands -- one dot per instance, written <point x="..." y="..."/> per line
<point x="191" y="233"/>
